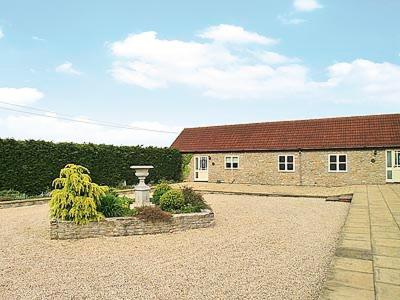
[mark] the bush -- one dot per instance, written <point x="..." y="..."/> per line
<point x="160" y="190"/>
<point x="30" y="166"/>
<point x="111" y="205"/>
<point x="194" y="202"/>
<point x="172" y="201"/>
<point x="152" y="214"/>
<point x="76" y="197"/>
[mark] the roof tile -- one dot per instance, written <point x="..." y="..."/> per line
<point x="376" y="131"/>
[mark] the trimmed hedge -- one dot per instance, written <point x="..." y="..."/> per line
<point x="30" y="166"/>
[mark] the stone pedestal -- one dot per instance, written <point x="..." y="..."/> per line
<point x="142" y="191"/>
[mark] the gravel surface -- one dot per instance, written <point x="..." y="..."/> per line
<point x="260" y="248"/>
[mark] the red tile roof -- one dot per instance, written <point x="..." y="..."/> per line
<point x="377" y="131"/>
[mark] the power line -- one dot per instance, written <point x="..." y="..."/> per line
<point x="58" y="114"/>
<point x="70" y="119"/>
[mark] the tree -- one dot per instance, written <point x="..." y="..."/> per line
<point x="75" y="197"/>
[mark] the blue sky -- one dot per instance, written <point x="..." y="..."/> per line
<point x="166" y="65"/>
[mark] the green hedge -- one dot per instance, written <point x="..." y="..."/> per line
<point x="30" y="166"/>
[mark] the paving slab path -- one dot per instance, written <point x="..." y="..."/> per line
<point x="367" y="260"/>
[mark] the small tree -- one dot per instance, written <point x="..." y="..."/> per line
<point x="75" y="197"/>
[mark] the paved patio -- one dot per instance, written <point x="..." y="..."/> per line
<point x="367" y="260"/>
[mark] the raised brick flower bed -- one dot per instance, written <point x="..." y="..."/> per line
<point x="124" y="226"/>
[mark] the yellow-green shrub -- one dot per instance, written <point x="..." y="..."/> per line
<point x="75" y="197"/>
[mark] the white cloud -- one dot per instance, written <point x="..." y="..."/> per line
<point x="288" y="20"/>
<point x="150" y="62"/>
<point x="362" y="81"/>
<point x="1" y="33"/>
<point x="239" y="71"/>
<point x="147" y="47"/>
<point x="67" y="68"/>
<point x="20" y="96"/>
<point x="36" y="38"/>
<point x="235" y="34"/>
<point x="50" y="129"/>
<point x="273" y="58"/>
<point x="306" y="5"/>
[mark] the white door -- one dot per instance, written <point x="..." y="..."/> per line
<point x="393" y="165"/>
<point x="201" y="168"/>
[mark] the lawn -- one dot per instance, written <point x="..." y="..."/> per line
<point x="260" y="248"/>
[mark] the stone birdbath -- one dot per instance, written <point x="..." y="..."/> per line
<point x="142" y="191"/>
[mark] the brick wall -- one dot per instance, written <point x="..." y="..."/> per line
<point x="63" y="230"/>
<point x="311" y="168"/>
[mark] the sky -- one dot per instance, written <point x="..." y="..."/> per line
<point x="166" y="65"/>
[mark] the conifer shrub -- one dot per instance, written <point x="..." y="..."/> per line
<point x="160" y="190"/>
<point x="172" y="201"/>
<point x="152" y="214"/>
<point x="75" y="197"/>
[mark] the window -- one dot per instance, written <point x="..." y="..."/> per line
<point x="337" y="163"/>
<point x="231" y="162"/>
<point x="286" y="163"/>
<point x="389" y="159"/>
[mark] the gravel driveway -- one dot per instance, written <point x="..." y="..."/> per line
<point x="260" y="248"/>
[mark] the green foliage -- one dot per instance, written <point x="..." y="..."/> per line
<point x="75" y="197"/>
<point x="160" y="190"/>
<point x="152" y="214"/>
<point x="111" y="205"/>
<point x="7" y="195"/>
<point x="183" y="201"/>
<point x="194" y="202"/>
<point x="172" y="200"/>
<point x="186" y="159"/>
<point x="30" y="166"/>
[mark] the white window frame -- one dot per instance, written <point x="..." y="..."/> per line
<point x="337" y="163"/>
<point x="231" y="157"/>
<point x="387" y="167"/>
<point x="286" y="163"/>
<point x="396" y="162"/>
<point x="199" y="159"/>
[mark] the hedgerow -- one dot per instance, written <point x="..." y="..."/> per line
<point x="30" y="166"/>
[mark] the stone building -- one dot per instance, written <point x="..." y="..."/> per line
<point x="324" y="152"/>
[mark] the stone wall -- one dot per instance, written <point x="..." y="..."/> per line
<point x="311" y="168"/>
<point x="63" y="230"/>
